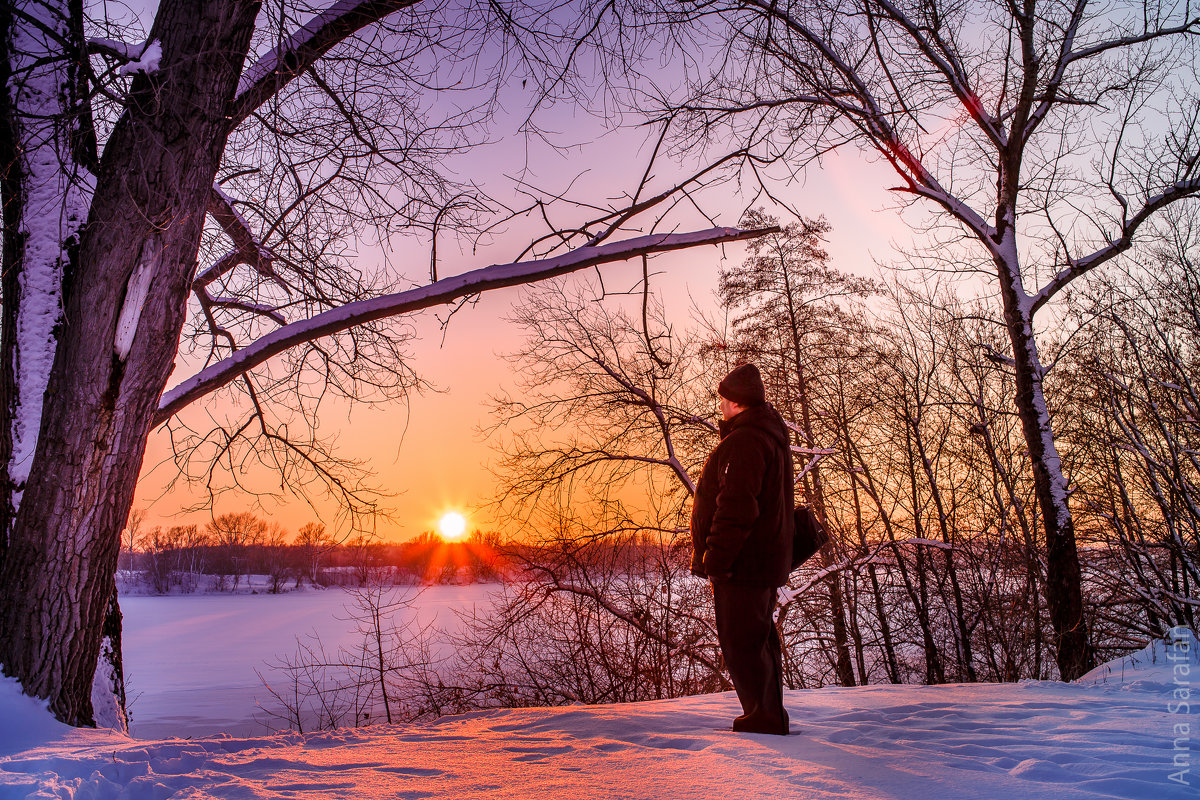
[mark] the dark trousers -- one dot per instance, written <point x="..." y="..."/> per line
<point x="753" y="655"/>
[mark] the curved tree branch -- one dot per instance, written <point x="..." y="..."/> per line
<point x="265" y="77"/>
<point x="434" y="294"/>
<point x="1081" y="266"/>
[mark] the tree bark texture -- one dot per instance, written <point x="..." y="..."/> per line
<point x="47" y="154"/>
<point x="10" y="256"/>
<point x="147" y="215"/>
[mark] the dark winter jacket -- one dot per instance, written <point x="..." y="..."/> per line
<point x="742" y="513"/>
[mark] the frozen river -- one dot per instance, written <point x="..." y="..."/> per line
<point x="190" y="660"/>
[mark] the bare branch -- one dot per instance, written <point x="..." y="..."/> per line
<point x="1081" y="266"/>
<point x="247" y="248"/>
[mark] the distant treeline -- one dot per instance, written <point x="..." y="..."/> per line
<point x="223" y="554"/>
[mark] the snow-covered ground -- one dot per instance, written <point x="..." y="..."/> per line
<point x="1126" y="730"/>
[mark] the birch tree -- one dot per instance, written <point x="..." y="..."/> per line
<point x="1041" y="136"/>
<point x="122" y="233"/>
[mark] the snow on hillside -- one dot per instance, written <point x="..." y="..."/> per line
<point x="1115" y="733"/>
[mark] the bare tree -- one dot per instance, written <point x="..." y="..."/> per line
<point x="157" y="552"/>
<point x="113" y="156"/>
<point x="313" y="542"/>
<point x="621" y="390"/>
<point x="1042" y="135"/>
<point x="375" y="679"/>
<point x="129" y="537"/>
<point x="617" y="419"/>
<point x="600" y="446"/>
<point x="233" y="536"/>
<point x="175" y="557"/>
<point x="1137" y="442"/>
<point x="275" y="561"/>
<point x="590" y="618"/>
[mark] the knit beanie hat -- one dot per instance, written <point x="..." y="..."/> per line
<point x="743" y="386"/>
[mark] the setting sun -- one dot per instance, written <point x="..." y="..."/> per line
<point x="452" y="525"/>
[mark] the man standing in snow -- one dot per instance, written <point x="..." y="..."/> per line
<point x="742" y="540"/>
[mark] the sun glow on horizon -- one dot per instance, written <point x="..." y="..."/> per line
<point x="452" y="526"/>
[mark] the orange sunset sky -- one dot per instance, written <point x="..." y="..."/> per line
<point x="428" y="453"/>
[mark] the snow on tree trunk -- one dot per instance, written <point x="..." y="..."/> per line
<point x="1064" y="597"/>
<point x="153" y="183"/>
<point x="47" y="192"/>
<point x="108" y="687"/>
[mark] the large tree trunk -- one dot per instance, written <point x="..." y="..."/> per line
<point x="47" y="152"/>
<point x="123" y="311"/>
<point x="47" y="160"/>
<point x="1064" y="592"/>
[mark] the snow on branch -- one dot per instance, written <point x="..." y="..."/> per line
<point x="146" y="63"/>
<point x="1189" y="27"/>
<point x="144" y="57"/>
<point x="793" y="426"/>
<point x="113" y="48"/>
<point x="918" y="541"/>
<point x="438" y="293"/>
<point x="812" y="462"/>
<point x="814" y="451"/>
<point x="303" y="48"/>
<point x="1077" y="267"/>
